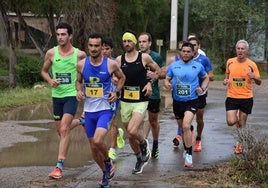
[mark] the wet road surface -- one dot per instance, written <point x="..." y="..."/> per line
<point x="80" y="171"/>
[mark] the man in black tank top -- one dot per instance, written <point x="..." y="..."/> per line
<point x="135" y="95"/>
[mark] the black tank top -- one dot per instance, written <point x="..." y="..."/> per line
<point x="136" y="79"/>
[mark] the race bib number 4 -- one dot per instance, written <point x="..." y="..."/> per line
<point x="183" y="90"/>
<point x="94" y="90"/>
<point x="239" y="82"/>
<point x="132" y="92"/>
<point x="65" y="78"/>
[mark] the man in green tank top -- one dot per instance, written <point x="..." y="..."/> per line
<point x="62" y="61"/>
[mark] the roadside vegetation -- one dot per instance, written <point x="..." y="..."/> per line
<point x="12" y="98"/>
<point x="249" y="169"/>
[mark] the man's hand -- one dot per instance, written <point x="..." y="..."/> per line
<point x="80" y="95"/>
<point x="55" y="82"/>
<point x="148" y="89"/>
<point x="225" y="81"/>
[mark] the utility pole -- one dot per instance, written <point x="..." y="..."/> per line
<point x="185" y="19"/>
<point x="173" y="24"/>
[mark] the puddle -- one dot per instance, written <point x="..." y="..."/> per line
<point x="44" y="151"/>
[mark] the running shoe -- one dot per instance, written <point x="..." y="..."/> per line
<point x="139" y="166"/>
<point x="145" y="151"/>
<point x="109" y="170"/>
<point x="238" y="149"/>
<point x="56" y="173"/>
<point x="104" y="182"/>
<point x="176" y="141"/>
<point x="120" y="138"/>
<point x="112" y="153"/>
<point x="155" y="151"/>
<point x="197" y="146"/>
<point x="188" y="161"/>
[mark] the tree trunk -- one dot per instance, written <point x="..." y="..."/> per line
<point x="3" y="36"/>
<point x="12" y="57"/>
<point x="12" y="66"/>
<point x="32" y="36"/>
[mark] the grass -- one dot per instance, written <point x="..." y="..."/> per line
<point x="12" y="98"/>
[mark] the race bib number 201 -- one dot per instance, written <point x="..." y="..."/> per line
<point x="183" y="90"/>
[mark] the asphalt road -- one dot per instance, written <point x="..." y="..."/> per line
<point x="217" y="141"/>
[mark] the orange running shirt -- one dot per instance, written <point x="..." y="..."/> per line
<point x="240" y="85"/>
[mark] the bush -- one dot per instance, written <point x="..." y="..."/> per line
<point x="252" y="165"/>
<point x="28" y="70"/>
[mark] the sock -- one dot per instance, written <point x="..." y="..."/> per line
<point x="189" y="150"/>
<point x="155" y="142"/>
<point x="179" y="131"/>
<point x="192" y="128"/>
<point x="60" y="164"/>
<point x="198" y="138"/>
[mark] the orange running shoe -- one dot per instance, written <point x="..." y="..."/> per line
<point x="177" y="140"/>
<point x="238" y="149"/>
<point x="56" y="173"/>
<point x="197" y="146"/>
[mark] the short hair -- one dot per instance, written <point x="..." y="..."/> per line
<point x="188" y="44"/>
<point x="108" y="41"/>
<point x="64" y="25"/>
<point x="190" y="35"/>
<point x="148" y="34"/>
<point x="242" y="41"/>
<point x="195" y="39"/>
<point x="96" y="36"/>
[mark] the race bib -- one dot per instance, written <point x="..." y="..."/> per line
<point x="94" y="90"/>
<point x="65" y="78"/>
<point x="183" y="90"/>
<point x="239" y="82"/>
<point x="132" y="92"/>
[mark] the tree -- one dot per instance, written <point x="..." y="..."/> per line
<point x="220" y="24"/>
<point x="7" y="36"/>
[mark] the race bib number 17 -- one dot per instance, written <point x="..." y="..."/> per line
<point x="94" y="90"/>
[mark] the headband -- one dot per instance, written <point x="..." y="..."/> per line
<point x="129" y="36"/>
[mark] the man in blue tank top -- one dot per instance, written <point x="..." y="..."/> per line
<point x="183" y="78"/>
<point x="62" y="60"/>
<point x="94" y="77"/>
